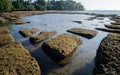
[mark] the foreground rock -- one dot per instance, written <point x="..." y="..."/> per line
<point x="83" y="32"/>
<point x="2" y="20"/>
<point x="15" y="60"/>
<point x="109" y="30"/>
<point x="61" y="49"/>
<point x="42" y="36"/>
<point x="108" y="56"/>
<point x="4" y="30"/>
<point x="28" y="32"/>
<point x="113" y="26"/>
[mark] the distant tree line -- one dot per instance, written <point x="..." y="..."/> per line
<point x="15" y="5"/>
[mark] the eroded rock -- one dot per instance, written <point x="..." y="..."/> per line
<point x="108" y="56"/>
<point x="28" y="32"/>
<point x="61" y="49"/>
<point x="16" y="60"/>
<point x="42" y="36"/>
<point x="80" y="22"/>
<point x="83" y="32"/>
<point x="18" y="22"/>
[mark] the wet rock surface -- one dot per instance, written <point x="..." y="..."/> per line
<point x="107" y="59"/>
<point x="28" y="32"/>
<point x="15" y="60"/>
<point x="42" y="36"/>
<point x="83" y="32"/>
<point x="61" y="49"/>
<point x="18" y="22"/>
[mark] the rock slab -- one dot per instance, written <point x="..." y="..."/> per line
<point x="61" y="48"/>
<point x="83" y="32"/>
<point x="28" y="32"/>
<point x="107" y="59"/>
<point x="42" y="36"/>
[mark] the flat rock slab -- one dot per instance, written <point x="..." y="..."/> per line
<point x="42" y="36"/>
<point x="28" y="32"/>
<point x="113" y="26"/>
<point x="80" y="22"/>
<point x="83" y="32"/>
<point x="6" y="38"/>
<point x="61" y="49"/>
<point x="16" y="60"/>
<point x="107" y="59"/>
<point x="109" y="30"/>
<point x="4" y="30"/>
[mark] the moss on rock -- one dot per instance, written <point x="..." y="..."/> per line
<point x="108" y="56"/>
<point x="42" y="36"/>
<point x="16" y="60"/>
<point x="28" y="32"/>
<point x="83" y="32"/>
<point x="61" y="49"/>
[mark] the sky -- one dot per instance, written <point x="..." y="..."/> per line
<point x="101" y="4"/>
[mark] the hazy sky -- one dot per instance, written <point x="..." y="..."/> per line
<point x="101" y="4"/>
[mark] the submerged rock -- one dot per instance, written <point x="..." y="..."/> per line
<point x="4" y="30"/>
<point x="16" y="60"/>
<point x="109" y="30"/>
<point x="83" y="32"/>
<point x="42" y="36"/>
<point x="113" y="26"/>
<point x="77" y="22"/>
<point x="17" y="22"/>
<point x="28" y="32"/>
<point x="107" y="59"/>
<point x="61" y="49"/>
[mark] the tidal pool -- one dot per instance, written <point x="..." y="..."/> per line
<point x="82" y="61"/>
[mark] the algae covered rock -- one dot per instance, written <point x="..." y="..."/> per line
<point x="16" y="60"/>
<point x="4" y="30"/>
<point x="28" y="32"/>
<point x="61" y="49"/>
<point x="42" y="36"/>
<point x="83" y="32"/>
<point x="107" y="59"/>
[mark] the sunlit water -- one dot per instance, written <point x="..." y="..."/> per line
<point x="82" y="61"/>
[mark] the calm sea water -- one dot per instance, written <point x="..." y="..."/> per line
<point x="82" y="61"/>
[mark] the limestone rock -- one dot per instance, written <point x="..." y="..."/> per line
<point x="42" y="36"/>
<point x="16" y="60"/>
<point x="83" y="32"/>
<point x="61" y="49"/>
<point x="28" y="32"/>
<point x="107" y="59"/>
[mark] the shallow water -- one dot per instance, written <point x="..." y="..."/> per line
<point x="82" y="61"/>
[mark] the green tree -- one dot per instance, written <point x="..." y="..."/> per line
<point x="5" y="5"/>
<point x="18" y="4"/>
<point x="40" y="5"/>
